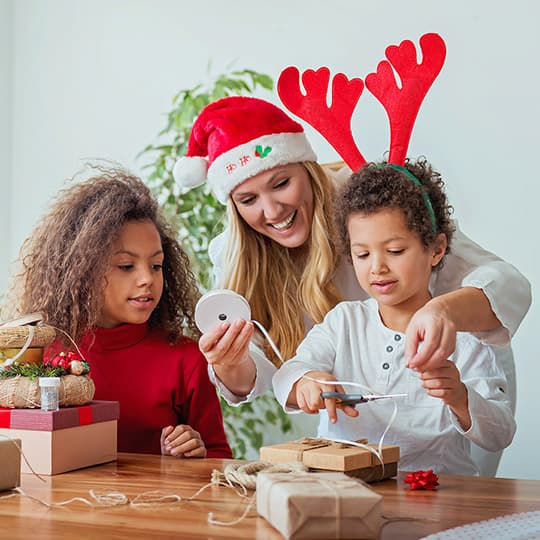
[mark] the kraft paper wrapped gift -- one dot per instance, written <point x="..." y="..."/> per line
<point x="70" y="438"/>
<point x="329" y="455"/>
<point x="319" y="505"/>
<point x="10" y="464"/>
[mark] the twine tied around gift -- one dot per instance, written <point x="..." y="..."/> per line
<point x="330" y="485"/>
<point x="376" y="452"/>
<point x="343" y="443"/>
<point x="334" y="486"/>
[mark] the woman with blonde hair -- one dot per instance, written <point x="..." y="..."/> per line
<point x="278" y="251"/>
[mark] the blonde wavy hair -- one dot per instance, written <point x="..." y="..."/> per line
<point x="63" y="264"/>
<point x="282" y="284"/>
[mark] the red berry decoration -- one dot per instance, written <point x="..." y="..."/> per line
<point x="55" y="362"/>
<point x="64" y="363"/>
<point x="422" y="480"/>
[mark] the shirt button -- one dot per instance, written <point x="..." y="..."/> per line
<point x="389" y="348"/>
<point x="386" y="365"/>
<point x="397" y="337"/>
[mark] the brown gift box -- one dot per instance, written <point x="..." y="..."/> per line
<point x="10" y="464"/>
<point x="328" y="455"/>
<point x="319" y="505"/>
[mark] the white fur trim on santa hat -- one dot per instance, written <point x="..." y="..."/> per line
<point x="242" y="162"/>
<point x="190" y="172"/>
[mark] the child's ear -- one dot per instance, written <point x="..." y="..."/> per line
<point x="439" y="249"/>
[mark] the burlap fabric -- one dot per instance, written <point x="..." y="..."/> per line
<point x="15" y="337"/>
<point x="24" y="393"/>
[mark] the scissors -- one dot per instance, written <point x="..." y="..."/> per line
<point x="355" y="399"/>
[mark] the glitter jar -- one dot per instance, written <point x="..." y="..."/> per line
<point x="50" y="387"/>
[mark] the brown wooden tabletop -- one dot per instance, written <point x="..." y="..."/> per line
<point x="458" y="500"/>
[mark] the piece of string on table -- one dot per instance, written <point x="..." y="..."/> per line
<point x="238" y="477"/>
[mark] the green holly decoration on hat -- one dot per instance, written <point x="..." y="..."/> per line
<point x="259" y="152"/>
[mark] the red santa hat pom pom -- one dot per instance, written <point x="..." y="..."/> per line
<point x="422" y="480"/>
<point x="190" y="172"/>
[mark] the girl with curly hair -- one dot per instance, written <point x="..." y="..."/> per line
<point x="394" y="226"/>
<point x="104" y="266"/>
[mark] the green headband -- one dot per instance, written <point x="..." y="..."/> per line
<point x="417" y="182"/>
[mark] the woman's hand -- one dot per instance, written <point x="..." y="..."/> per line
<point x="307" y="395"/>
<point x="445" y="383"/>
<point x="227" y="344"/>
<point x="182" y="441"/>
<point x="432" y="327"/>
<point x="226" y="348"/>
<point x="435" y="325"/>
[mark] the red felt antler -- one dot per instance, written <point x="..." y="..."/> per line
<point x="334" y="122"/>
<point x="402" y="104"/>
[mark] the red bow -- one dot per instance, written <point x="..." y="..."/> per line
<point x="422" y="480"/>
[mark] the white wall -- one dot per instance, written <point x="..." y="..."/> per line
<point x="6" y="78"/>
<point x="93" y="79"/>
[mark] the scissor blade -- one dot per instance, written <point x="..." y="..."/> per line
<point x="374" y="397"/>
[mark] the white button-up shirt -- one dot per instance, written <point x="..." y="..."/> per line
<point x="353" y="345"/>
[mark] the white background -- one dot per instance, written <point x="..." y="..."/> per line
<point x="86" y="79"/>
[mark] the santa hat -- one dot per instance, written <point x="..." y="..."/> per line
<point x="236" y="138"/>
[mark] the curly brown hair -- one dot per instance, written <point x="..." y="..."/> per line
<point x="378" y="185"/>
<point x="66" y="258"/>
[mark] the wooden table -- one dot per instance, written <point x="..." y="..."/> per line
<point x="459" y="500"/>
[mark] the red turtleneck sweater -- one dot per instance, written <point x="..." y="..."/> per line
<point x="157" y="385"/>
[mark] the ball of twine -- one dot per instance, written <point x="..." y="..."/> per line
<point x="245" y="474"/>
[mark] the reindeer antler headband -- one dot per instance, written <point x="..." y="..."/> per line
<point x="401" y="103"/>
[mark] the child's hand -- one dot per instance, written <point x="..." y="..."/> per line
<point x="308" y="395"/>
<point x="445" y="383"/>
<point x="182" y="441"/>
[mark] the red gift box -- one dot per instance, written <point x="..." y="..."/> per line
<point x="36" y="419"/>
<point x="70" y="438"/>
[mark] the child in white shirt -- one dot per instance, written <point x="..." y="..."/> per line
<point x="394" y="223"/>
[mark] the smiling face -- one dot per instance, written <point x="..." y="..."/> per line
<point x="278" y="203"/>
<point x="134" y="281"/>
<point x="390" y="261"/>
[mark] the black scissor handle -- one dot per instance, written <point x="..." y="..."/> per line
<point x="344" y="399"/>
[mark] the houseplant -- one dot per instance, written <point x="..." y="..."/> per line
<point x="198" y="217"/>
